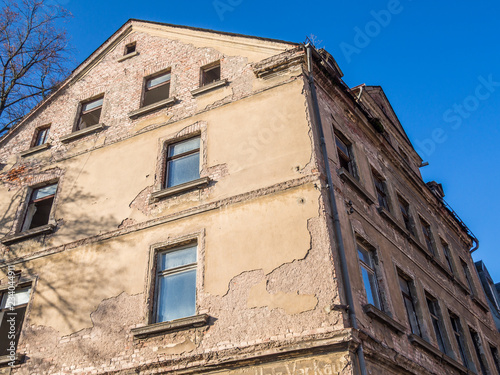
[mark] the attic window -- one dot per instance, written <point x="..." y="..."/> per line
<point x="41" y="136"/>
<point x="90" y="113"/>
<point x="157" y="89"/>
<point x="210" y="73"/>
<point x="130" y="48"/>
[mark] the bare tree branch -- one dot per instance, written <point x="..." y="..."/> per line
<point x="33" y="55"/>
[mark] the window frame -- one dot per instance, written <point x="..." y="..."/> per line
<point x="169" y="159"/>
<point x="81" y="112"/>
<point x="44" y="131"/>
<point x="19" y="285"/>
<point x="428" y="237"/>
<point x="447" y="256"/>
<point x="345" y="160"/>
<point x="371" y="270"/>
<point x="30" y="201"/>
<point x="467" y="275"/>
<point x="437" y="322"/>
<point x="459" y="334"/>
<point x="495" y="356"/>
<point x="477" y="343"/>
<point x="408" y="296"/>
<point x="146" y="89"/>
<point x="127" y="48"/>
<point x="381" y="190"/>
<point x="406" y="215"/>
<point x="206" y="68"/>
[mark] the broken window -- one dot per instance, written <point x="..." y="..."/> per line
<point x="344" y="151"/>
<point x="405" y="213"/>
<point x="459" y="337"/>
<point x="39" y="207"/>
<point x="157" y="89"/>
<point x="369" y="275"/>
<point x="437" y="321"/>
<point x="176" y="283"/>
<point x="381" y="191"/>
<point x="409" y="302"/>
<point x="183" y="162"/>
<point x="90" y="113"/>
<point x="426" y="230"/>
<point x="41" y="136"/>
<point x="130" y="48"/>
<point x="478" y="348"/>
<point x="12" y="311"/>
<point x="210" y="73"/>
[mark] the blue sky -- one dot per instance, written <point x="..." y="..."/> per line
<point x="438" y="62"/>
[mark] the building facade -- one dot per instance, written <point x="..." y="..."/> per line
<point x="191" y="201"/>
<point x="491" y="290"/>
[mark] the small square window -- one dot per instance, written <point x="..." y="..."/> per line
<point x="39" y="207"/>
<point x="90" y="113"/>
<point x="210" y="74"/>
<point x="130" y="48"/>
<point x="41" y="136"/>
<point x="157" y="89"/>
<point x="183" y="162"/>
<point x="12" y="303"/>
<point x="175" y="295"/>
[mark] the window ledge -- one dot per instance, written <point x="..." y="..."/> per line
<point x="48" y="228"/>
<point x="201" y="182"/>
<point x="128" y="56"/>
<point x="173" y="325"/>
<point x="373" y="312"/>
<point x="6" y="359"/>
<point x="152" y="107"/>
<point x="420" y="342"/>
<point x="391" y="219"/>
<point x="209" y="87"/>
<point x="81" y="133"/>
<point x="462" y="286"/>
<point x="442" y="267"/>
<point x="32" y="150"/>
<point x="419" y="246"/>
<point x="347" y="177"/>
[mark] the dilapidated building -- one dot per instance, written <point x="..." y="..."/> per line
<point x="198" y="202"/>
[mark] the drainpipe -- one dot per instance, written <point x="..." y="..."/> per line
<point x="316" y="118"/>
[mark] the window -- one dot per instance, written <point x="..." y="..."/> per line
<point x="467" y="274"/>
<point x="478" y="348"/>
<point x="210" y="73"/>
<point x="183" y="162"/>
<point x="447" y="255"/>
<point x="157" y="89"/>
<point x="496" y="358"/>
<point x="426" y="230"/>
<point x="12" y="311"/>
<point x="344" y="152"/>
<point x="459" y="337"/>
<point x="41" y="136"/>
<point x="176" y="283"/>
<point x="369" y="275"/>
<point x="90" y="114"/>
<point x="492" y="295"/>
<point x="409" y="302"/>
<point x="405" y="213"/>
<point x="130" y="48"/>
<point x="39" y="207"/>
<point x="381" y="191"/>
<point x="437" y="321"/>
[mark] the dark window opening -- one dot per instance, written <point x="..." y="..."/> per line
<point x="157" y="89"/>
<point x="405" y="213"/>
<point x="437" y="323"/>
<point x="210" y="74"/>
<point x="465" y="268"/>
<point x="39" y="207"/>
<point x="409" y="302"/>
<point x="447" y="255"/>
<point x="41" y="136"/>
<point x="344" y="152"/>
<point x="478" y="348"/>
<point x="459" y="337"/>
<point x="426" y="230"/>
<point x="381" y="191"/>
<point x="496" y="358"/>
<point x="90" y="114"/>
<point x="130" y="48"/>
